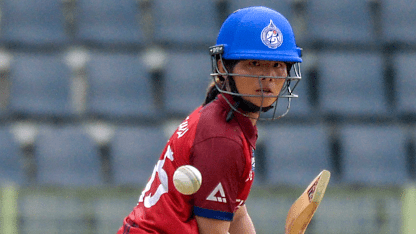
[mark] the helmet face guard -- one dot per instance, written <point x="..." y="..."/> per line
<point x="257" y="33"/>
<point x="286" y="93"/>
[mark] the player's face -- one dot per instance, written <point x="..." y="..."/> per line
<point x="265" y="90"/>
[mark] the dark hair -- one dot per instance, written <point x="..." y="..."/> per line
<point x="212" y="90"/>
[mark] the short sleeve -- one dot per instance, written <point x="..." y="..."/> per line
<point x="221" y="163"/>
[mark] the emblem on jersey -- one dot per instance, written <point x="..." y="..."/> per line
<point x="217" y="194"/>
<point x="271" y="36"/>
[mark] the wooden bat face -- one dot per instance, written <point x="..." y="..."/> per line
<point x="303" y="209"/>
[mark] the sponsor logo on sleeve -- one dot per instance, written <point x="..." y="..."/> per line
<point x="218" y="194"/>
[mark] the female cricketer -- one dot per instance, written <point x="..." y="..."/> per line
<point x="255" y="63"/>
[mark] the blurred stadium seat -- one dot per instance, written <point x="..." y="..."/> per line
<point x="296" y="154"/>
<point x="352" y="84"/>
<point x="40" y="86"/>
<point x="358" y="215"/>
<point x="11" y="159"/>
<point x="186" y="81"/>
<point x="110" y="212"/>
<point x="398" y="21"/>
<point x="340" y="22"/>
<point x="268" y="215"/>
<point x="67" y="156"/>
<point x="33" y="23"/>
<point x="405" y="82"/>
<point x="373" y="155"/>
<point x="109" y="23"/>
<point x="186" y="23"/>
<point x="134" y="153"/>
<point x="119" y="87"/>
<point x="51" y="214"/>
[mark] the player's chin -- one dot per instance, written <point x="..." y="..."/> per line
<point x="264" y="102"/>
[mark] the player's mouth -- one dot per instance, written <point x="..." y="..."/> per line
<point x="265" y="92"/>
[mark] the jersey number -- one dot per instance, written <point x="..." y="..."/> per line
<point x="151" y="199"/>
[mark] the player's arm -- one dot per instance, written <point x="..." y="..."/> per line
<point x="212" y="226"/>
<point x="220" y="163"/>
<point x="242" y="222"/>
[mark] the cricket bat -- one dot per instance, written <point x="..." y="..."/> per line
<point x="303" y="209"/>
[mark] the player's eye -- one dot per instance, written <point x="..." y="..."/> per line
<point x="254" y="63"/>
<point x="279" y="64"/>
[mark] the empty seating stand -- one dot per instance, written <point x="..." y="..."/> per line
<point x="187" y="78"/>
<point x="341" y="23"/>
<point x="33" y="24"/>
<point x="398" y="21"/>
<point x="134" y="153"/>
<point x="119" y="87"/>
<point x="295" y="154"/>
<point x="373" y="155"/>
<point x="405" y="83"/>
<point x="185" y="23"/>
<point x="109" y="23"/>
<point x="40" y="86"/>
<point x="11" y="159"/>
<point x="67" y="156"/>
<point x="351" y="84"/>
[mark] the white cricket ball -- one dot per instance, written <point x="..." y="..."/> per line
<point x="187" y="179"/>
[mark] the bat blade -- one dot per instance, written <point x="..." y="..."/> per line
<point x="301" y="212"/>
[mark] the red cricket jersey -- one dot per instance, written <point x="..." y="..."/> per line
<point x="224" y="154"/>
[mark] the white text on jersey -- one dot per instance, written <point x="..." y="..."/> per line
<point x="183" y="128"/>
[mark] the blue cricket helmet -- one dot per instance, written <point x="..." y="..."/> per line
<point x="258" y="33"/>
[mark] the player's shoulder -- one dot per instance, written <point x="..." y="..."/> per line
<point x="212" y="124"/>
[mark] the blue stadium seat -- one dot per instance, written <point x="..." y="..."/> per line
<point x="186" y="81"/>
<point x="284" y="7"/>
<point x="185" y="22"/>
<point x="351" y="84"/>
<point x="33" y="23"/>
<point x="399" y="21"/>
<point x="373" y="155"/>
<point x="295" y="154"/>
<point x="110" y="212"/>
<point x="135" y="151"/>
<point x="340" y="22"/>
<point x="119" y="86"/>
<point x="109" y="23"/>
<point x="51" y="213"/>
<point x="265" y="211"/>
<point x="357" y="216"/>
<point x="11" y="159"/>
<point x="67" y="156"/>
<point x="40" y="86"/>
<point x="405" y="82"/>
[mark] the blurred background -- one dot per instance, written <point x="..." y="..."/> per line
<point x="91" y="90"/>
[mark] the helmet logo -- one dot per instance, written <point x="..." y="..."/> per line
<point x="271" y="36"/>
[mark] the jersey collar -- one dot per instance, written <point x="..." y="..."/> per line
<point x="250" y="131"/>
